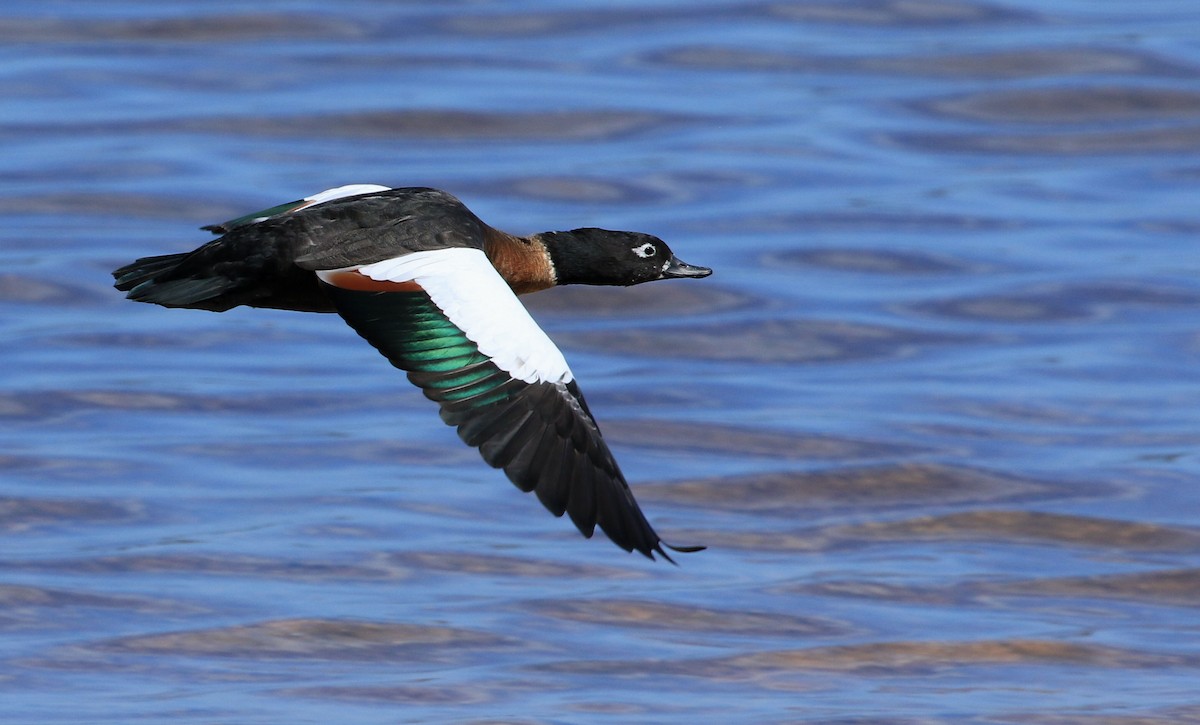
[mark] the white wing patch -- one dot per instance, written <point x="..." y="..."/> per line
<point x="472" y="295"/>
<point x="340" y="192"/>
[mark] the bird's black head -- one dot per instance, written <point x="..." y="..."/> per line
<point x="600" y="256"/>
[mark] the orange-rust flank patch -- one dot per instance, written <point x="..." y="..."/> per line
<point x="353" y="280"/>
<point x="523" y="263"/>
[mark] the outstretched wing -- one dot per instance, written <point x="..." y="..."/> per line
<point x="449" y="320"/>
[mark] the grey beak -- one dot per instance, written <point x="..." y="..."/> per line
<point x="678" y="268"/>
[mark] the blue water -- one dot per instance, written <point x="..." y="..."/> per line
<point x="936" y="414"/>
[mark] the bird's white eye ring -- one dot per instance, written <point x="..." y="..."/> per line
<point x="645" y="251"/>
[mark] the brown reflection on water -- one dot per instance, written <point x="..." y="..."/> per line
<point x="729" y="58"/>
<point x="659" y="189"/>
<point x="60" y="468"/>
<point x="406" y="694"/>
<point x="953" y="595"/>
<point x="193" y="28"/>
<point x="114" y="204"/>
<point x="510" y="566"/>
<point x="550" y="125"/>
<point x="44" y="404"/>
<point x="23" y="514"/>
<point x="1031" y="526"/>
<point x="1034" y="413"/>
<point x="923" y="13"/>
<point x="31" y="290"/>
<point x="329" y="451"/>
<point x="1057" y="143"/>
<point x="1170" y="587"/>
<point x="30" y="607"/>
<point x="662" y="299"/>
<point x="763" y="341"/>
<point x="677" y="435"/>
<point x="1055" y="303"/>
<point x="220" y="565"/>
<point x="1031" y="62"/>
<point x="916" y="657"/>
<point x="211" y="338"/>
<point x="855" y="12"/>
<point x="1147" y="716"/>
<point x="785" y="492"/>
<point x="561" y="20"/>
<point x="326" y="639"/>
<point x="1001" y="526"/>
<point x="659" y="616"/>
<point x="886" y="659"/>
<point x="1178" y="587"/>
<point x="1070" y="105"/>
<point x="872" y="261"/>
<point x="576" y="189"/>
<point x="835" y="221"/>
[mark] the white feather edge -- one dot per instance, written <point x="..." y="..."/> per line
<point x="339" y="192"/>
<point x="472" y="294"/>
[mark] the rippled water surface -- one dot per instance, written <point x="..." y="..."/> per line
<point x="937" y="414"/>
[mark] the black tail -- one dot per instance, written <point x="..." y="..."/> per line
<point x="161" y="280"/>
<point x="134" y="273"/>
<point x="227" y="272"/>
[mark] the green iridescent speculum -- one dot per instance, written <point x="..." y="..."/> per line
<point x="433" y="344"/>
<point x="430" y="342"/>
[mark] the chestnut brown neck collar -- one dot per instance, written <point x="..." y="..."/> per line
<point x="523" y="262"/>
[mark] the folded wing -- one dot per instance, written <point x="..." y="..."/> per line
<point x="340" y="192"/>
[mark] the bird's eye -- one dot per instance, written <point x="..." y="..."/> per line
<point x="645" y="251"/>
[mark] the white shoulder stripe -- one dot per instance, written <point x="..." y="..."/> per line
<point x="473" y="295"/>
<point x="339" y="192"/>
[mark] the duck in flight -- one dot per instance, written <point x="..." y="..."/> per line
<point x="434" y="289"/>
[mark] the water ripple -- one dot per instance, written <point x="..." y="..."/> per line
<point x="322" y="639"/>
<point x="659" y="616"/>
<point x="861" y="488"/>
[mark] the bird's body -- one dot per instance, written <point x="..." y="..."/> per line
<point x="431" y="286"/>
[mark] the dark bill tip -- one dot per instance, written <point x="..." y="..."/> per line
<point x="678" y="268"/>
